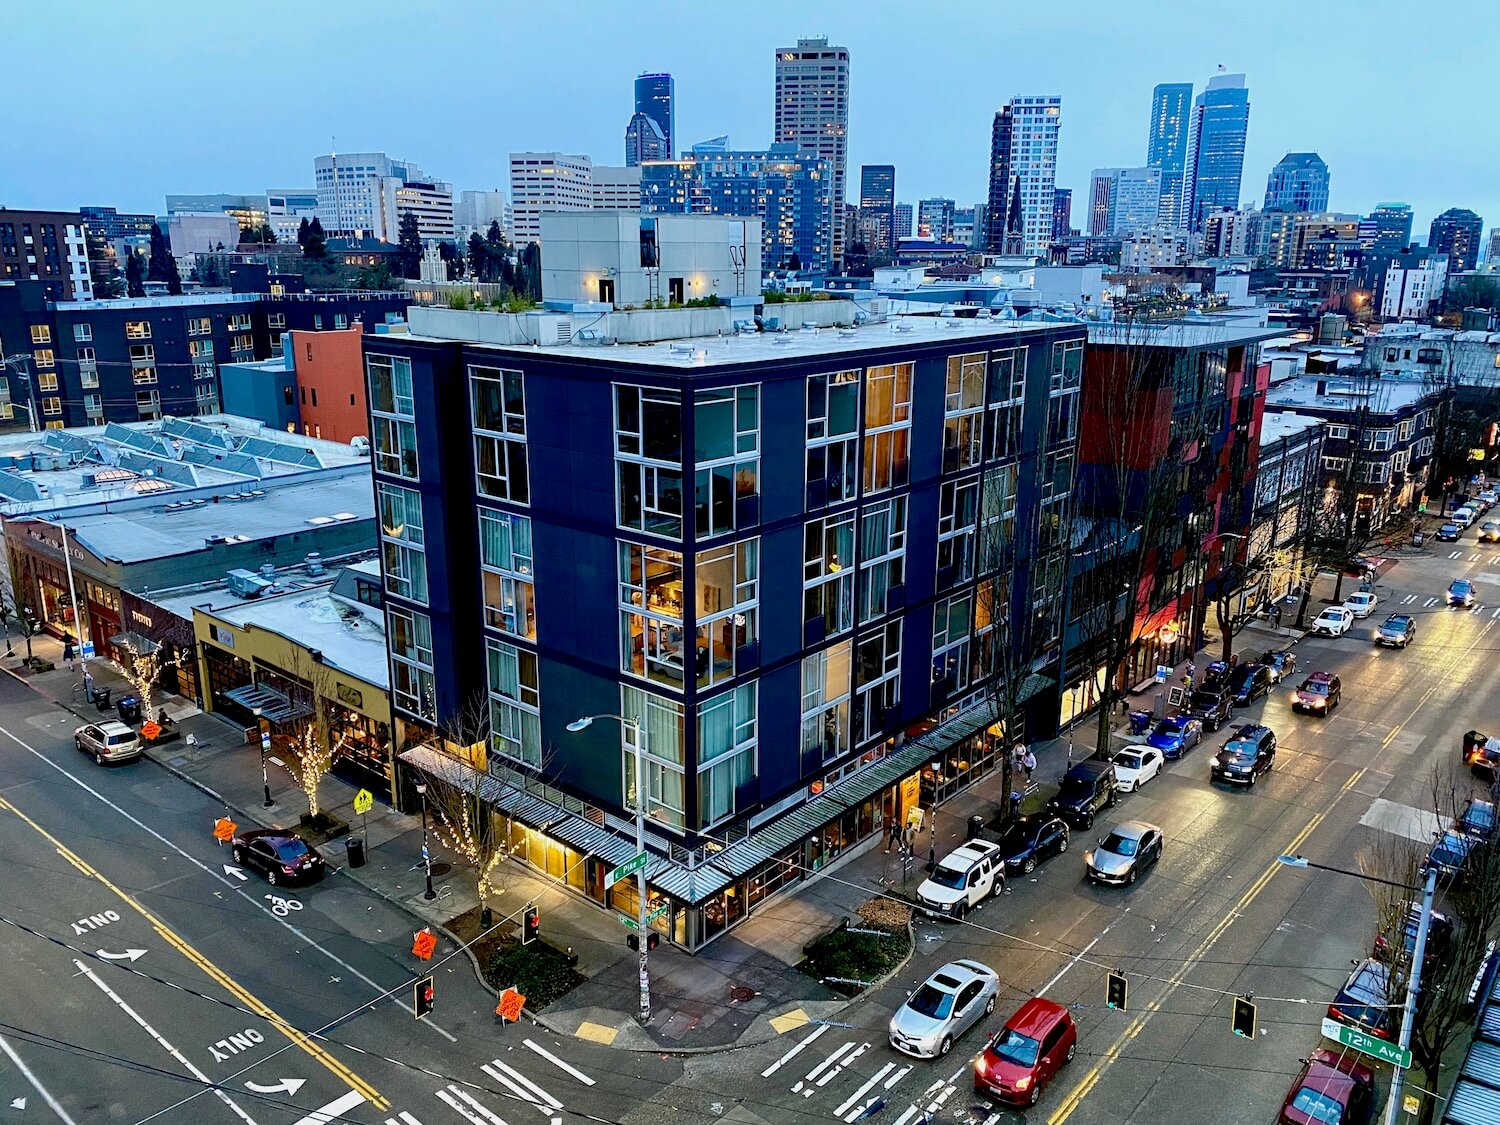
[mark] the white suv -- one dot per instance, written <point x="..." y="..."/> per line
<point x="962" y="880"/>
<point x="108" y="742"/>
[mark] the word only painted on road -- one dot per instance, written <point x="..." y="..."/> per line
<point x="95" y="922"/>
<point x="235" y="1044"/>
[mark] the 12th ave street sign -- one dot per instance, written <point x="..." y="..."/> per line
<point x="626" y="869"/>
<point x="1367" y="1044"/>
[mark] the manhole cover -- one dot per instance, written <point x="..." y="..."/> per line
<point x="441" y="869"/>
<point x="740" y="993"/>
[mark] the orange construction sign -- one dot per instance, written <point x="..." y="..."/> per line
<point x="224" y="829"/>
<point x="151" y="730"/>
<point x="511" y="1003"/>
<point x="424" y="945"/>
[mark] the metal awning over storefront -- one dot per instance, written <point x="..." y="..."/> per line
<point x="138" y="643"/>
<point x="693" y="885"/>
<point x="268" y="703"/>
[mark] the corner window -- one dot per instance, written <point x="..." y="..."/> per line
<point x="505" y="558"/>
<point x="498" y="398"/>
<point x="726" y="458"/>
<point x="648" y="460"/>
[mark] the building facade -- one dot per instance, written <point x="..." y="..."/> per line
<point x="46" y="246"/>
<point x="877" y="204"/>
<point x="1387" y="229"/>
<point x="1023" y="174"/>
<point x="643" y="141"/>
<point x="849" y="493"/>
<point x="1062" y="213"/>
<point x="1413" y="285"/>
<point x="1299" y="182"/>
<point x="1215" y="159"/>
<point x="111" y="224"/>
<point x="1123" y="200"/>
<point x="547" y="181"/>
<point x="474" y="211"/>
<point x="1288" y="494"/>
<point x="428" y="201"/>
<point x="1457" y="232"/>
<point x="351" y="191"/>
<point x="1166" y="144"/>
<point x="903" y="220"/>
<point x="612" y="188"/>
<point x="812" y="114"/>
<point x="935" y="219"/>
<point x="655" y="96"/>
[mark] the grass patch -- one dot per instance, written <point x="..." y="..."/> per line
<point x="538" y="971"/>
<point x="867" y="953"/>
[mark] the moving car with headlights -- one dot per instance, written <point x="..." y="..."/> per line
<point x="943" y="1007"/>
<point x="1449" y="532"/>
<point x="1137" y="765"/>
<point x="1319" y="694"/>
<point x="1489" y="531"/>
<point x="279" y="855"/>
<point x="1332" y="1088"/>
<point x="1086" y="788"/>
<point x="1175" y="735"/>
<point x="1334" y="621"/>
<point x="1440" y="932"/>
<point x="1121" y="856"/>
<point x="1364" y="1001"/>
<point x="1281" y="664"/>
<point x="1031" y="838"/>
<point x="1212" y="706"/>
<point x="962" y="879"/>
<point x="1361" y="604"/>
<point x="1488" y="498"/>
<point x="108" y="742"/>
<point x="1482" y="755"/>
<point x="1250" y="753"/>
<point x="1035" y="1043"/>
<point x="1248" y="683"/>
<point x="1461" y="593"/>
<point x="1397" y="630"/>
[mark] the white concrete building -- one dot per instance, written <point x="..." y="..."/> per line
<point x="199" y="232"/>
<point x="287" y="207"/>
<point x="350" y="192"/>
<point x="603" y="256"/>
<point x="1143" y="250"/>
<point x="1033" y="163"/>
<point x="430" y="202"/>
<point x="616" y="189"/>
<point x="547" y="181"/>
<point x="476" y="210"/>
<point x="1411" y="294"/>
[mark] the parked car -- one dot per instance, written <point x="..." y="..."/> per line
<point x="1449" y="532"/>
<point x="943" y="1007"/>
<point x="1029" y="839"/>
<point x="1488" y="498"/>
<point x="1334" y="621"/>
<point x="1361" y="604"/>
<point x="1121" y="856"/>
<point x="1332" y="1088"/>
<point x="1135" y="766"/>
<point x="1482" y="755"/>
<point x="1175" y="735"/>
<point x="279" y="855"/>
<point x="1212" y="706"/>
<point x="1022" y="1057"/>
<point x="1450" y="855"/>
<point x="1281" y="664"/>
<point x="108" y="742"/>
<point x="962" y="879"/>
<point x="1319" y="694"/>
<point x="1364" y="1001"/>
<point x="1464" y="516"/>
<point x="1440" y="933"/>
<point x="1398" y="630"/>
<point x="1086" y="788"/>
<point x="1461" y="593"/>
<point x="1489" y="531"/>
<point x="1216" y="674"/>
<point x="1250" y="753"/>
<point x="1249" y="683"/>
<point x="1478" y="819"/>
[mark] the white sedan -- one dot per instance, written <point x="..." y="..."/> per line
<point x="1136" y="766"/>
<point x="1361" y="604"/>
<point x="1333" y="622"/>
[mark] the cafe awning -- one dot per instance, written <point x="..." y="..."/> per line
<point x="268" y="703"/>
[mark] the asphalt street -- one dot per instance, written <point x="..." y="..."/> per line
<point x="1216" y="918"/>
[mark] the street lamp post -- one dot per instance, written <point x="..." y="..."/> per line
<point x="642" y="903"/>
<point x="429" y="894"/>
<point x="265" y="739"/>
<point x="1418" y="953"/>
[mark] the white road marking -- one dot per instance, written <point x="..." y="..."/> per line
<point x="790" y="1055"/>
<point x="836" y="1071"/>
<point x="334" y="1109"/>
<point x="911" y="1112"/>
<point x="454" y="1095"/>
<point x="399" y="1001"/>
<point x="1408" y="599"/>
<point x="523" y="1087"/>
<point x="1402" y="820"/>
<point x="1082" y="953"/>
<point x="900" y="1074"/>
<point x="855" y="1097"/>
<point x="1495" y="614"/>
<point x="36" y="1083"/>
<point x="171" y="1050"/>
<point x="1476" y="609"/>
<point x="1429" y="603"/>
<point x="1455" y="554"/>
<point x="404" y="1119"/>
<point x="566" y="1068"/>
<point x="1474" y="557"/>
<point x="821" y="1067"/>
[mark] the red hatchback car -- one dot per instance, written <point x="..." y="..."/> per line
<point x="1333" y="1089"/>
<point x="1025" y="1054"/>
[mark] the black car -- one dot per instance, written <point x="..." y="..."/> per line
<point x="1282" y="663"/>
<point x="1213" y="706"/>
<point x="1449" y="533"/>
<point x="1250" y="753"/>
<point x="1482" y="755"/>
<point x="1248" y="683"/>
<point x="1440" y="934"/>
<point x="1032" y="838"/>
<point x="1086" y="788"/>
<point x="281" y="856"/>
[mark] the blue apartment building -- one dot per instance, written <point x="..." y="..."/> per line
<point x="793" y="557"/>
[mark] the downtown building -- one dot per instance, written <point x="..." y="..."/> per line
<point x="809" y="646"/>
<point x="877" y="206"/>
<point x="49" y="246"/>
<point x="1023" y="175"/>
<point x="1299" y="182"/>
<point x="547" y="181"/>
<point x="1457" y="232"/>
<point x="652" y="127"/>
<point x="1166" y="145"/>
<point x="812" y="114"/>
<point x="1215" y="158"/>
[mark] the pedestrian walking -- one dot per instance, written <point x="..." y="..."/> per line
<point x="1028" y="763"/>
<point x="68" y="653"/>
<point x="893" y="836"/>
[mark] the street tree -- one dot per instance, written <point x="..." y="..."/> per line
<point x="311" y="740"/>
<point x="143" y="663"/>
<point x="160" y="254"/>
<point x="135" y="272"/>
<point x="302" y="229"/>
<point x="479" y="257"/>
<point x="409" y="243"/>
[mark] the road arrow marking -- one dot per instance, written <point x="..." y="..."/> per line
<point x="18" y="1103"/>
<point x="230" y="869"/>
<point x="287" y="1086"/>
<point x="128" y="955"/>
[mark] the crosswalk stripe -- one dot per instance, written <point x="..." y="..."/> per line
<point x="1408" y="599"/>
<point x="793" y="1053"/>
<point x="836" y="1071"/>
<point x="404" y="1119"/>
<point x="1496" y="613"/>
<point x="900" y="1074"/>
<point x="1474" y="558"/>
<point x="855" y="1097"/>
<point x="1429" y="603"/>
<point x="1455" y="554"/>
<point x="524" y="1088"/>
<point x="821" y="1067"/>
<point x="566" y="1068"/>
<point x="453" y="1096"/>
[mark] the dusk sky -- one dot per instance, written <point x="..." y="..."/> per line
<point x="175" y="97"/>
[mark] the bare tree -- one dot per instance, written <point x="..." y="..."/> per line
<point x="143" y="666"/>
<point x="312" y="743"/>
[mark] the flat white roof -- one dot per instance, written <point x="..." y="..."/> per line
<point x="349" y="640"/>
<point x="1279" y="424"/>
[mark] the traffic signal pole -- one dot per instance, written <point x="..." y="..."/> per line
<point x="1413" y="987"/>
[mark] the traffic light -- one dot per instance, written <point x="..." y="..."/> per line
<point x="531" y="924"/>
<point x="1244" y="1017"/>
<point x="1118" y="991"/>
<point x="653" y="939"/>
<point x="422" y="997"/>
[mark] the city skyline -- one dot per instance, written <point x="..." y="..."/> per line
<point x="724" y="85"/>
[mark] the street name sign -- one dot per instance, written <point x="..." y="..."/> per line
<point x="1367" y="1044"/>
<point x="626" y="869"/>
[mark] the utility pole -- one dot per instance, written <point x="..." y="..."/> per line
<point x="1413" y="987"/>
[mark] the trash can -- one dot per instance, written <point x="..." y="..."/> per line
<point x="1140" y="721"/>
<point x="129" y="708"/>
<point x="356" y="849"/>
<point x="101" y="698"/>
<point x="976" y="827"/>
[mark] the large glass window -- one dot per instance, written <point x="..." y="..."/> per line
<point x="726" y="455"/>
<point x="409" y="637"/>
<point x="951" y="623"/>
<point x="648" y="460"/>
<point x="403" y="560"/>
<point x="877" y="681"/>
<point x="727" y="604"/>
<point x="887" y="426"/>
<point x="832" y="429"/>
<point x="515" y="719"/>
<point x="1062" y="418"/>
<point x="1067" y="365"/>
<point x="651" y="630"/>
<point x="1007" y="398"/>
<point x="726" y="751"/>
<point x="505" y="560"/>
<point x="828" y="572"/>
<point x="958" y="522"/>
<point x="826" y="691"/>
<point x="963" y="412"/>
<point x="882" y="556"/>
<point x="665" y="798"/>
<point x="997" y="546"/>
<point x="498" y="398"/>
<point x="394" y="434"/>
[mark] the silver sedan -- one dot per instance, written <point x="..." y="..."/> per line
<point x="943" y="1007"/>
<point x="1122" y="855"/>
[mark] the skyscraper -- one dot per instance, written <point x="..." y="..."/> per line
<point x="1166" y="144"/>
<point x="902" y="222"/>
<point x="935" y="219"/>
<point x="998" y="204"/>
<point x="654" y="97"/>
<point x="1062" y="213"/>
<point x="1023" y="172"/>
<point x="644" y="141"/>
<point x="1299" y="182"/>
<point x="877" y="203"/>
<point x="1122" y="200"/>
<point x="1456" y="232"/>
<point x="1387" y="229"/>
<point x="1215" y="157"/>
<point x="812" y="112"/>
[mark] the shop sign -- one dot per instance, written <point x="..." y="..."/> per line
<point x="349" y="696"/>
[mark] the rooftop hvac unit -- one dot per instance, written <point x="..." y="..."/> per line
<point x="246" y="584"/>
<point x="314" y="562"/>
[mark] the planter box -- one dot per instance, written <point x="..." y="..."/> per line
<point x="321" y="828"/>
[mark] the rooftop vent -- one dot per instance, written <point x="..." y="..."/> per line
<point x="314" y="563"/>
<point x="904" y="327"/>
<point x="809" y="326"/>
<point x="246" y="583"/>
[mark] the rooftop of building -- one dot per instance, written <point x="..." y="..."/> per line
<point x="1278" y="425"/>
<point x="1192" y="333"/>
<point x="172" y="460"/>
<point x="1337" y="392"/>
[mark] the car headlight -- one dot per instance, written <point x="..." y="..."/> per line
<point x="1319" y="703"/>
<point x="1024" y="1082"/>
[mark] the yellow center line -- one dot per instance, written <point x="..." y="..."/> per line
<point x="233" y="987"/>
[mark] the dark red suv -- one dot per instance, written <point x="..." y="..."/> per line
<point x="1024" y="1055"/>
<point x="1334" y="1088"/>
